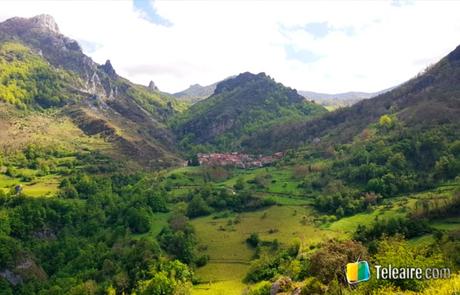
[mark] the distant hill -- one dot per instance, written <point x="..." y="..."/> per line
<point x="430" y="99"/>
<point x="41" y="68"/>
<point x="196" y="92"/>
<point x="339" y="99"/>
<point x="239" y="107"/>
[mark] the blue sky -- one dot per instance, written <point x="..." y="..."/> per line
<point x="150" y="13"/>
<point x="324" y="46"/>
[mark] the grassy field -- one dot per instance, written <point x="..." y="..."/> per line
<point x="452" y="223"/>
<point x="229" y="254"/>
<point x="230" y="287"/>
<point x="40" y="187"/>
<point x="350" y="223"/>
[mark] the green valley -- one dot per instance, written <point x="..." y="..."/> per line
<point x="103" y="189"/>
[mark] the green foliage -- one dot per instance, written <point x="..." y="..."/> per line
<point x="138" y="220"/>
<point x="261" y="288"/>
<point x="205" y="200"/>
<point x="26" y="78"/>
<point x="340" y="200"/>
<point x="386" y="121"/>
<point x="269" y="265"/>
<point x="156" y="103"/>
<point x="78" y="240"/>
<point x="409" y="228"/>
<point x="179" y="241"/>
<point x="197" y="207"/>
<point x="242" y="106"/>
<point x="328" y="262"/>
<point x="400" y="161"/>
<point x="9" y="248"/>
<point x="398" y="253"/>
<point x="253" y="240"/>
<point x="170" y="279"/>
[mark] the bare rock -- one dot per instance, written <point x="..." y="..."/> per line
<point x="152" y="86"/>
<point x="11" y="277"/>
<point x="283" y="284"/>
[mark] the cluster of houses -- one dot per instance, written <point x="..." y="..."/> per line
<point x="238" y="160"/>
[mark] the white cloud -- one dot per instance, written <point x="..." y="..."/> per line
<point x="372" y="45"/>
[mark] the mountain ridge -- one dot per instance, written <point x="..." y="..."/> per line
<point x="430" y="97"/>
<point x="197" y="92"/>
<point x="97" y="91"/>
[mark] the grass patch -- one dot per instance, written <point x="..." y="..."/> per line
<point x="350" y="223"/>
<point x="225" y="241"/>
<point x="452" y="223"/>
<point x="230" y="287"/>
<point x="424" y="240"/>
<point x="45" y="186"/>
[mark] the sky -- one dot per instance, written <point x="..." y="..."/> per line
<point x="321" y="46"/>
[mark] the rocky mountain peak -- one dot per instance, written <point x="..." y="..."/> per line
<point x="45" y="22"/>
<point x="108" y="69"/>
<point x="152" y="86"/>
<point x="240" y="80"/>
<point x="42" y="22"/>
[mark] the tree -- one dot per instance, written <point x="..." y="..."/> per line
<point x="386" y="122"/>
<point x="327" y="263"/>
<point x="239" y="185"/>
<point x="160" y="284"/>
<point x="138" y="220"/>
<point x="197" y="207"/>
<point x="253" y="240"/>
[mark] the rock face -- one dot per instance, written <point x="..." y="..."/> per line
<point x="24" y="270"/>
<point x="42" y="34"/>
<point x="11" y="277"/>
<point x="283" y="284"/>
<point x="152" y="86"/>
<point x="42" y="22"/>
<point x="108" y="69"/>
<point x="46" y="22"/>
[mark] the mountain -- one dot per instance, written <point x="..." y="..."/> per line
<point x="430" y="99"/>
<point x="340" y="99"/>
<point x="195" y="93"/>
<point x="240" y="106"/>
<point x="41" y="68"/>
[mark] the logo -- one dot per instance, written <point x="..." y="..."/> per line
<point x="358" y="272"/>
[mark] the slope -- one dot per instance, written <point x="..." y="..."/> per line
<point x="340" y="99"/>
<point x="430" y="99"/>
<point x="195" y="93"/>
<point x="41" y="68"/>
<point x="239" y="107"/>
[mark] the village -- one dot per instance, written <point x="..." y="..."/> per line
<point x="238" y="160"/>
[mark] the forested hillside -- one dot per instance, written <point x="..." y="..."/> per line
<point x="239" y="107"/>
<point x="426" y="101"/>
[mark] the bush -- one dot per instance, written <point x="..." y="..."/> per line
<point x="253" y="240"/>
<point x="138" y="220"/>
